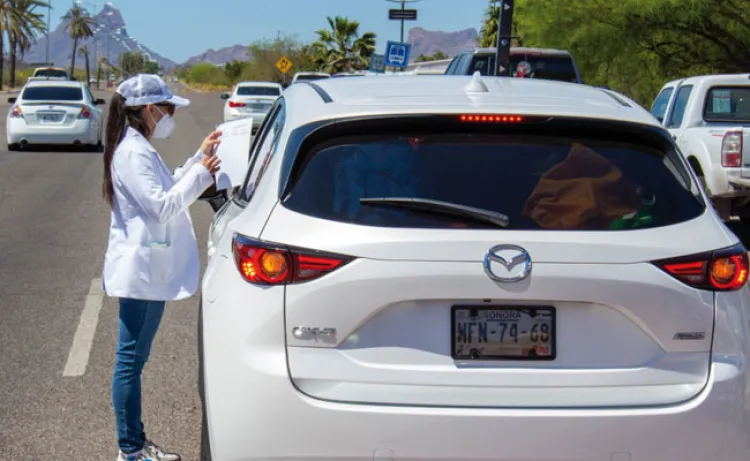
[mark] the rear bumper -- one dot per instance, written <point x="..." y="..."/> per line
<point x="82" y="131"/>
<point x="254" y="412"/>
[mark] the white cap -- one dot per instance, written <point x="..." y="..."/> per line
<point x="145" y="89"/>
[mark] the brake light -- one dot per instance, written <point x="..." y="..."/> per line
<point x="234" y="104"/>
<point x="262" y="263"/>
<point x="731" y="149"/>
<point x="721" y="270"/>
<point x="17" y="112"/>
<point x="491" y="118"/>
<point x="85" y="112"/>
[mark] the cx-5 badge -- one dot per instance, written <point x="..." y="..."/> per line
<point x="515" y="262"/>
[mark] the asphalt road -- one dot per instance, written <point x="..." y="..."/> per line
<point x="53" y="233"/>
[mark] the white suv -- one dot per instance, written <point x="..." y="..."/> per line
<point x="471" y="268"/>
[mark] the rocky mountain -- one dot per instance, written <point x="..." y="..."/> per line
<point x="423" y="41"/>
<point x="110" y="40"/>
<point x="221" y="56"/>
<point x="429" y="42"/>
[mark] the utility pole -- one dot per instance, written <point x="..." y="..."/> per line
<point x="49" y="17"/>
<point x="504" y="36"/>
<point x="403" y="7"/>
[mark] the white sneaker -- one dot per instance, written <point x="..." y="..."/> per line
<point x="158" y="454"/>
<point x="140" y="456"/>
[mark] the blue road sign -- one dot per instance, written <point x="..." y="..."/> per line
<point x="377" y="63"/>
<point x="397" y="54"/>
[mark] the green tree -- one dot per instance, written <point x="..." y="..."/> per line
<point x="84" y="51"/>
<point x="341" y="48"/>
<point x="78" y="25"/>
<point x="152" y="67"/>
<point x="22" y="25"/>
<point x="133" y="63"/>
<point x="233" y="70"/>
<point x="435" y="57"/>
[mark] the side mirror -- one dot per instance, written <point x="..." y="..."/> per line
<point x="12" y="100"/>
<point x="224" y="96"/>
<point x="100" y="101"/>
<point x="215" y="198"/>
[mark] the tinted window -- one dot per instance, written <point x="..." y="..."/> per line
<point x="728" y="104"/>
<point x="545" y="67"/>
<point x="52" y="93"/>
<point x="306" y="78"/>
<point x="51" y="73"/>
<point x="680" y="104"/>
<point x="264" y="153"/>
<point x="257" y="91"/>
<point x="659" y="109"/>
<point x="539" y="182"/>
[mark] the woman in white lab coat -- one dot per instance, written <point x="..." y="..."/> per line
<point x="152" y="255"/>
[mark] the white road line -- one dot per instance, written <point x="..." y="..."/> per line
<point x="78" y="357"/>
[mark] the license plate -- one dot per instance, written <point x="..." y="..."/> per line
<point x="49" y="118"/>
<point x="258" y="107"/>
<point x="503" y="333"/>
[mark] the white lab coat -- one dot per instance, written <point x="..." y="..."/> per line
<point x="152" y="252"/>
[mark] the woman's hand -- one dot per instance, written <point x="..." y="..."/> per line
<point x="211" y="162"/>
<point x="208" y="146"/>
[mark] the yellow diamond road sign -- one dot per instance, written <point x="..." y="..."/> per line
<point x="284" y="64"/>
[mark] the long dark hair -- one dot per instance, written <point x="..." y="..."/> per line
<point x="119" y="118"/>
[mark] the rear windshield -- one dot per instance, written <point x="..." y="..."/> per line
<point x="311" y="77"/>
<point x="52" y="93"/>
<point x="544" y="183"/>
<point x="728" y="104"/>
<point x="559" y="68"/>
<point x="51" y="73"/>
<point x="258" y="91"/>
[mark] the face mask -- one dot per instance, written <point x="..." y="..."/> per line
<point x="164" y="127"/>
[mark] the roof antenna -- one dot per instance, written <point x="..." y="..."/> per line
<point x="476" y="85"/>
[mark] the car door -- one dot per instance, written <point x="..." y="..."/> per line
<point x="262" y="148"/>
<point x="676" y="114"/>
<point x="661" y="103"/>
<point x="97" y="111"/>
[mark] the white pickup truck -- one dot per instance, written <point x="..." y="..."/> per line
<point x="709" y="118"/>
<point x="49" y="73"/>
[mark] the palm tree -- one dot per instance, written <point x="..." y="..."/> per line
<point x="22" y="25"/>
<point x="488" y="33"/>
<point x="6" y="14"/>
<point x="84" y="51"/>
<point x="79" y="27"/>
<point x="341" y="47"/>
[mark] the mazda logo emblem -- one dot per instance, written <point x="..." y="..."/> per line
<point x="515" y="262"/>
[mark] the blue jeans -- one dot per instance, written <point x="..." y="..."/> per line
<point x="139" y="321"/>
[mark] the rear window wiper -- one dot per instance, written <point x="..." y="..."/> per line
<point x="441" y="208"/>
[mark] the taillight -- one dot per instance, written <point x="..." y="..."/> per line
<point x="491" y="118"/>
<point x="16" y="112"/>
<point x="264" y="263"/>
<point x="731" y="149"/>
<point x="85" y="112"/>
<point x="720" y="270"/>
<point x="234" y="104"/>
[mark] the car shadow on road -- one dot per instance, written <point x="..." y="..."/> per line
<point x="45" y="149"/>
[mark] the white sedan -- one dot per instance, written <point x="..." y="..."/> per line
<point x="55" y="113"/>
<point x="469" y="268"/>
<point x="250" y="100"/>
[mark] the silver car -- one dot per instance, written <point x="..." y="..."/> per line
<point x="250" y="99"/>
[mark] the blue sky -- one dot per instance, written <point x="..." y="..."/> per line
<point x="179" y="29"/>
